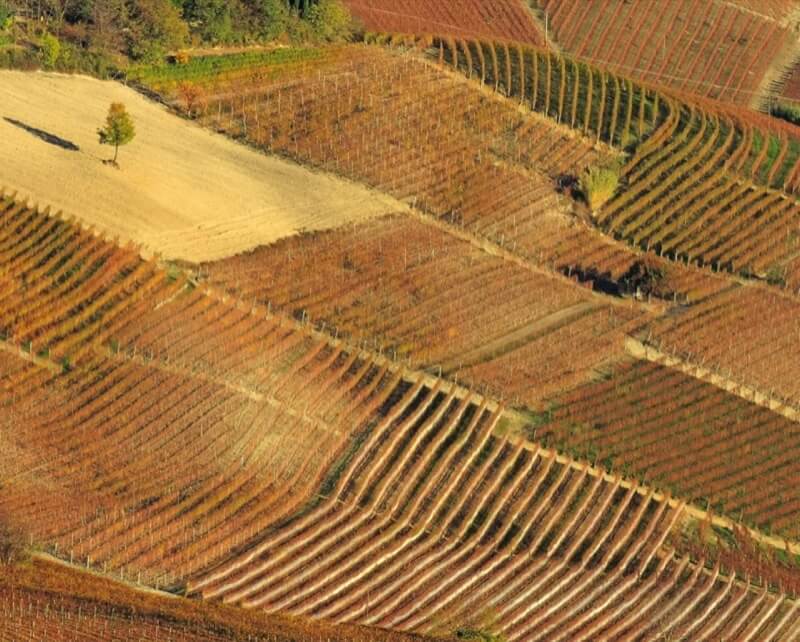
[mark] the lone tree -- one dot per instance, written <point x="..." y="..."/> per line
<point x="119" y="129"/>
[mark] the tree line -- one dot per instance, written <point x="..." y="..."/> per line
<point x="146" y="30"/>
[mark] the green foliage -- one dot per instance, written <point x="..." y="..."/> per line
<point x="479" y="634"/>
<point x="599" y="184"/>
<point x="6" y="15"/>
<point x="19" y="58"/>
<point x="787" y="111"/>
<point x="49" y="50"/>
<point x="203" y="67"/>
<point x="119" y="129"/>
<point x="273" y="18"/>
<point x="776" y="275"/>
<point x="155" y="27"/>
<point x="330" y="20"/>
<point x="212" y="19"/>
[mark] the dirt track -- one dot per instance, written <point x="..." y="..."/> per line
<point x="182" y="191"/>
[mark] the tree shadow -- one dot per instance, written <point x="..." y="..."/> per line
<point x="45" y="136"/>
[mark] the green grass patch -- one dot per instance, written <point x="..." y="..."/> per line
<point x="202" y="67"/>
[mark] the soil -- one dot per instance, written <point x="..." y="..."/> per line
<point x="181" y="191"/>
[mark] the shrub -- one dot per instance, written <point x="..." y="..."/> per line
<point x="19" y="58"/>
<point x="212" y="20"/>
<point x="599" y="184"/>
<point x="645" y="278"/>
<point x="6" y="15"/>
<point x="274" y="18"/>
<point x="12" y="548"/>
<point x="155" y="27"/>
<point x="192" y="97"/>
<point x="330" y="20"/>
<point x="776" y="275"/>
<point x="479" y="635"/>
<point x="787" y="111"/>
<point x="49" y="50"/>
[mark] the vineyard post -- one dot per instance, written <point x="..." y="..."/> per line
<point x="546" y="27"/>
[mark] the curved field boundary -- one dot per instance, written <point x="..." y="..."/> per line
<point x="373" y="477"/>
<point x="686" y="158"/>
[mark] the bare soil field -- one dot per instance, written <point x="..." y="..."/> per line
<point x="182" y="191"/>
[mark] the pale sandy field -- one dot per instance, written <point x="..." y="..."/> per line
<point x="182" y="191"/>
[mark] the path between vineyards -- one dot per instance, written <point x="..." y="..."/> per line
<point x="520" y="336"/>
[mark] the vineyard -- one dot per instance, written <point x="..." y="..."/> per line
<point x="119" y="357"/>
<point x="432" y="515"/>
<point x="238" y="417"/>
<point x="48" y="601"/>
<point x="490" y="334"/>
<point x="711" y="213"/>
<point x="493" y="320"/>
<point x="501" y="19"/>
<point x="714" y="49"/>
<point x="442" y="164"/>
<point x="720" y="335"/>
<point x="732" y="455"/>
<point x="695" y="186"/>
<point x="271" y="64"/>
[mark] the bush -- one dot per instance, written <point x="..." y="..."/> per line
<point x="479" y="635"/>
<point x="192" y="97"/>
<point x="156" y="26"/>
<point x="599" y="184"/>
<point x="12" y="547"/>
<point x="274" y="18"/>
<point x="49" y="50"/>
<point x="211" y="19"/>
<point x="787" y="111"/>
<point x="776" y="275"/>
<point x="645" y="278"/>
<point x="330" y="20"/>
<point x="19" y="58"/>
<point x="6" y="15"/>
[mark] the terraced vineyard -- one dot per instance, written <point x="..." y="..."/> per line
<point x="411" y="469"/>
<point x="146" y="374"/>
<point x="505" y="19"/>
<point x="714" y="49"/>
<point x="692" y="188"/>
<point x="491" y="412"/>
<point x="45" y="600"/>
<point x="761" y="356"/>
<point x="389" y="273"/>
<point x="488" y="144"/>
<point x="725" y="452"/>
<point x="438" y="516"/>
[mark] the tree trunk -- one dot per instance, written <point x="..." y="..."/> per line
<point x="116" y="151"/>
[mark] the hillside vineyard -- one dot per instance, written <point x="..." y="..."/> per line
<point x="438" y="510"/>
<point x="400" y="321"/>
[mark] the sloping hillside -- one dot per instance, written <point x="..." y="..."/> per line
<point x="182" y="191"/>
<point x="712" y="48"/>
<point x="502" y="19"/>
<point x="43" y="600"/>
